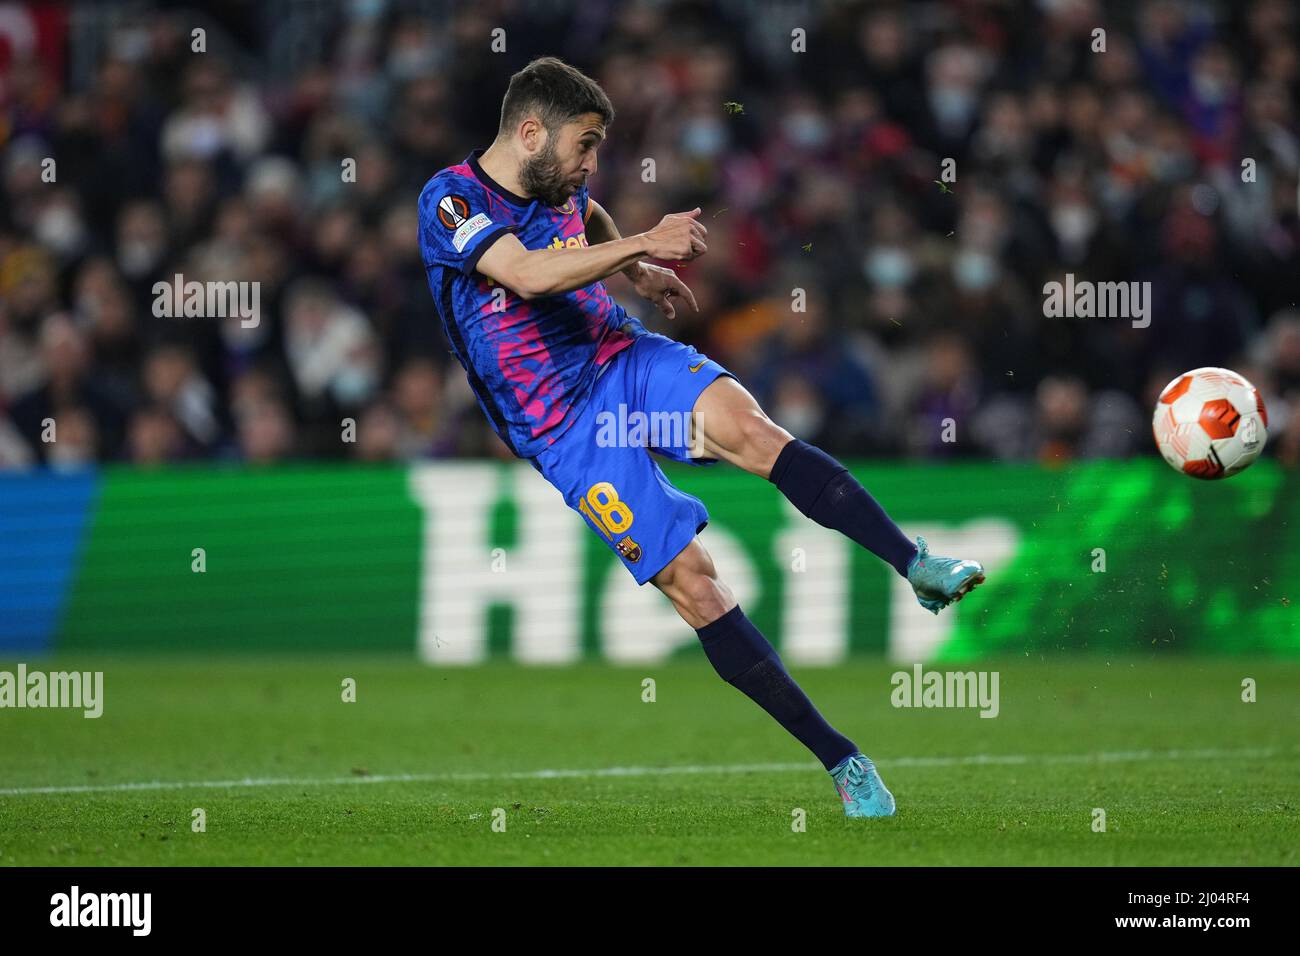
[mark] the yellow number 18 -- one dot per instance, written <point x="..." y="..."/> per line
<point x="605" y="510"/>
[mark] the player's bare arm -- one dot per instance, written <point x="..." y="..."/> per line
<point x="541" y="272"/>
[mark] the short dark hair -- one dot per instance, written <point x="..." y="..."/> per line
<point x="556" y="92"/>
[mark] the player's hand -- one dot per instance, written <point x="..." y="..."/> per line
<point x="678" y="237"/>
<point x="661" y="286"/>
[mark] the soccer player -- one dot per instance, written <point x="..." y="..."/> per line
<point x="516" y="252"/>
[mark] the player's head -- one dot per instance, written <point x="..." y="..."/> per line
<point x="554" y="118"/>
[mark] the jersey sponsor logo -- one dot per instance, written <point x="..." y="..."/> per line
<point x="469" y="230"/>
<point x="453" y="210"/>
<point x="572" y="242"/>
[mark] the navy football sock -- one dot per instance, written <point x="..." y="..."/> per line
<point x="744" y="659"/>
<point x="823" y="490"/>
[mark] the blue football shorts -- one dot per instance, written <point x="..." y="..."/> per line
<point x="642" y="402"/>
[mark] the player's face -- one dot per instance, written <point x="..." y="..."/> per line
<point x="563" y="165"/>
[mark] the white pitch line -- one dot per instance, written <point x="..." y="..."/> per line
<point x="1124" y="756"/>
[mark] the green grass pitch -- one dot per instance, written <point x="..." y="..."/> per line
<point x="584" y="772"/>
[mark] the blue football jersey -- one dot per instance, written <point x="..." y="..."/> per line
<point x="532" y="363"/>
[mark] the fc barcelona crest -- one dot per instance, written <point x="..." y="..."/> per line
<point x="629" y="550"/>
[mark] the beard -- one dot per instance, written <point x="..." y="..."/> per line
<point x="543" y="178"/>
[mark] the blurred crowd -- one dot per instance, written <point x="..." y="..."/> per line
<point x="1171" y="157"/>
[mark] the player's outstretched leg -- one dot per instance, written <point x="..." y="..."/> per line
<point x="743" y="658"/>
<point x="736" y="430"/>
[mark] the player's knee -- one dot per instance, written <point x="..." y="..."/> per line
<point x="705" y="597"/>
<point x="762" y="441"/>
<point x="695" y="590"/>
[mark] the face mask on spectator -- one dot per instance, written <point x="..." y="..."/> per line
<point x="1210" y="89"/>
<point x="412" y="62"/>
<point x="69" y="456"/>
<point x="353" y="384"/>
<point x="974" y="271"/>
<point x="703" y="138"/>
<point x="1073" y="223"/>
<point x="136" y="258"/>
<point x="952" y="105"/>
<point x="889" y="266"/>
<point x="806" y="130"/>
<point x="204" y="137"/>
<point x="61" y="229"/>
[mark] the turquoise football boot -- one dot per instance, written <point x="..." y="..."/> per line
<point x="860" y="787"/>
<point x="939" y="582"/>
